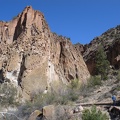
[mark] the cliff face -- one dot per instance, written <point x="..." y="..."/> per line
<point x="110" y="40"/>
<point x="34" y="58"/>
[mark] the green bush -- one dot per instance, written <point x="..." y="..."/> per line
<point x="94" y="80"/>
<point x="8" y="94"/>
<point x="73" y="90"/>
<point x="84" y="90"/>
<point x="55" y="98"/>
<point x="89" y="87"/>
<point x="73" y="95"/>
<point x="93" y="114"/>
<point x="75" y="84"/>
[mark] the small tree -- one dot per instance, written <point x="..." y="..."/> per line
<point x="102" y="64"/>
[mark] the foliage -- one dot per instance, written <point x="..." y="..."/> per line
<point x="63" y="97"/>
<point x="94" y="80"/>
<point x="54" y="33"/>
<point x="89" y="87"/>
<point x="93" y="114"/>
<point x="40" y="100"/>
<point x="102" y="64"/>
<point x="74" y="90"/>
<point x="75" y="84"/>
<point x="14" y="17"/>
<point x="8" y="94"/>
<point x="69" y="39"/>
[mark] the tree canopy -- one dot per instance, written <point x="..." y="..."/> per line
<point x="102" y="64"/>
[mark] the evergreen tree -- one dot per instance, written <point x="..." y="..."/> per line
<point x="102" y="64"/>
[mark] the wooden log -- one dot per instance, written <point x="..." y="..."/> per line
<point x="99" y="103"/>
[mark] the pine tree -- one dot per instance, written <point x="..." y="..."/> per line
<point x="102" y="64"/>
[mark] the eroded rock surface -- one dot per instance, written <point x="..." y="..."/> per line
<point x="110" y="40"/>
<point x="34" y="58"/>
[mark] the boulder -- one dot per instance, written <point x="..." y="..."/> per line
<point x="49" y="112"/>
<point x="78" y="109"/>
<point x="35" y="114"/>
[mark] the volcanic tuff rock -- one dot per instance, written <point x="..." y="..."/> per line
<point x="34" y="58"/>
<point x="110" y="40"/>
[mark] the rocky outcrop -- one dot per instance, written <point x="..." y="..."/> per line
<point x="79" y="47"/>
<point x="110" y="40"/>
<point x="34" y="58"/>
<point x="49" y="112"/>
<point x="114" y="54"/>
<point x="114" y="112"/>
<point x="62" y="112"/>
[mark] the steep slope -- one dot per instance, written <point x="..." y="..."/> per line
<point x="111" y="43"/>
<point x="34" y="58"/>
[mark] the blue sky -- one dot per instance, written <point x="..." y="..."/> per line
<point x="80" y="20"/>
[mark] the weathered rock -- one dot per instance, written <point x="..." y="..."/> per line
<point x="78" y="109"/>
<point x="114" y="112"/>
<point x="79" y="47"/>
<point x="35" y="58"/>
<point x="34" y="115"/>
<point x="66" y="112"/>
<point x="111" y="44"/>
<point x="49" y="112"/>
<point x="114" y="54"/>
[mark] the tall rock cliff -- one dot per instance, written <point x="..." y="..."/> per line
<point x="33" y="58"/>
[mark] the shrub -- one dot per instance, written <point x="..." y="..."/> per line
<point x="93" y="114"/>
<point x="94" y="80"/>
<point x="73" y="95"/>
<point x="45" y="99"/>
<point x="63" y="97"/>
<point x="75" y="84"/>
<point x="8" y="94"/>
<point x="73" y="90"/>
<point x="40" y="100"/>
<point x="55" y="98"/>
<point x="26" y="109"/>
<point x="14" y="17"/>
<point x="86" y="89"/>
